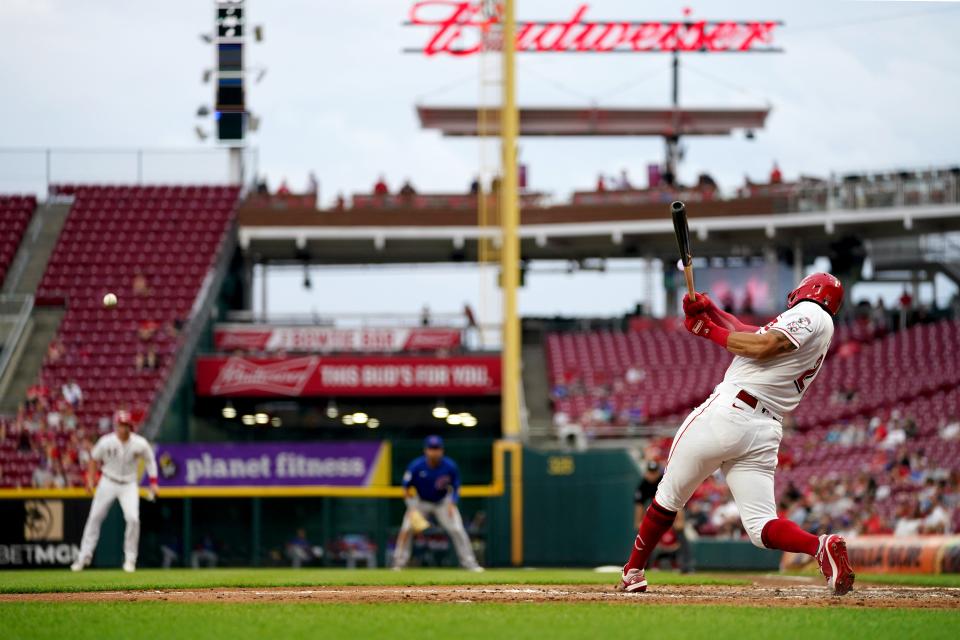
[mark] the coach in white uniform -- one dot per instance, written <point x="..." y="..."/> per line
<point x="738" y="428"/>
<point x="119" y="455"/>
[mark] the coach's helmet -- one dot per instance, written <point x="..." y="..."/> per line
<point x="822" y="288"/>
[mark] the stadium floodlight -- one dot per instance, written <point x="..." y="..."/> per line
<point x="248" y="420"/>
<point x="360" y="418"/>
<point x="262" y="418"/>
<point x="454" y="419"/>
<point x="440" y="411"/>
<point x="229" y="411"/>
<point x="275" y="421"/>
<point x="470" y="422"/>
<point x="348" y="419"/>
<point x="373" y="423"/>
<point x="332" y="411"/>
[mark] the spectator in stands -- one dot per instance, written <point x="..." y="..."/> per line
<point x="140" y="285"/>
<point x="54" y="418"/>
<point x="263" y="188"/>
<point x="72" y="393"/>
<point x="624" y="183"/>
<point x="906" y="304"/>
<point x="313" y="185"/>
<point x="284" y="188"/>
<point x="705" y="182"/>
<point x="937" y="518"/>
<point x="775" y="176"/>
<point x="634" y="375"/>
<point x="407" y="191"/>
<point x="340" y="203"/>
<point x="381" y="188"/>
<point x="950" y="428"/>
<point x="55" y="350"/>
<point x="908" y="520"/>
<point x="475" y="186"/>
<point x="601" y="183"/>
<point x="425" y="316"/>
<point x="147" y="329"/>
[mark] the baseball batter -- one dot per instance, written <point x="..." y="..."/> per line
<point x="431" y="485"/>
<point x="738" y="428"/>
<point x="119" y="455"/>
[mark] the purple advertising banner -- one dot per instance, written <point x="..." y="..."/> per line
<point x="271" y="464"/>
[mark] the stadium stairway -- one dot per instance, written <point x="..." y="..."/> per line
<point x="536" y="391"/>
<point x="35" y="250"/>
<point x="23" y="277"/>
<point x="28" y="359"/>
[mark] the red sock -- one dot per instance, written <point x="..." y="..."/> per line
<point x="656" y="522"/>
<point x="786" y="535"/>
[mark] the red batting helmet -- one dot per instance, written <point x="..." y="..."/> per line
<point x="822" y="288"/>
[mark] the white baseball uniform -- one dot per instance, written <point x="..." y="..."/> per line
<point x="119" y="466"/>
<point x="727" y="433"/>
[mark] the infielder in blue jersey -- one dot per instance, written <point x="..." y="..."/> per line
<point x="431" y="487"/>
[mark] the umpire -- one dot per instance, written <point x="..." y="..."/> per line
<point x="431" y="487"/>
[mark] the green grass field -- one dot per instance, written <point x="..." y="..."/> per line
<point x="112" y="579"/>
<point x="424" y="620"/>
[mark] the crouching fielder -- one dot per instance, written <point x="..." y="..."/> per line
<point x="431" y="487"/>
<point x="118" y="455"/>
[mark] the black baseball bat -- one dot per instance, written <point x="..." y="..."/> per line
<point x="680" y="228"/>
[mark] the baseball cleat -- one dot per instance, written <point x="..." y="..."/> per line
<point x="79" y="564"/>
<point x="476" y="569"/>
<point x="834" y="564"/>
<point x="129" y="567"/>
<point x="633" y="581"/>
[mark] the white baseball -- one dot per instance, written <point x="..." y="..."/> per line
<point x="110" y="300"/>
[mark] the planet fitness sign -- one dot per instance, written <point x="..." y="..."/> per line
<point x="339" y="464"/>
<point x="456" y="28"/>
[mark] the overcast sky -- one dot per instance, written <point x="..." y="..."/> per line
<point x="861" y="86"/>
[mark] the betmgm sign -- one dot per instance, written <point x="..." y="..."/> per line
<point x="38" y="534"/>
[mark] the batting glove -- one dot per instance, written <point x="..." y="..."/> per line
<point x="700" y="325"/>
<point x="692" y="307"/>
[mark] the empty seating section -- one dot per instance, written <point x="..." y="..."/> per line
<point x="15" y="214"/>
<point x="674" y="371"/>
<point x="167" y="238"/>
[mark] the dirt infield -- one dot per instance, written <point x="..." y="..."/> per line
<point x="769" y="592"/>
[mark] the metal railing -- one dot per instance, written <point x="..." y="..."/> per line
<point x="34" y="169"/>
<point x="15" y="313"/>
<point x="200" y="315"/>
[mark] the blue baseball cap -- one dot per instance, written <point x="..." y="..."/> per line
<point x="433" y="442"/>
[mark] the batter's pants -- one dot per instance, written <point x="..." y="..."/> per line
<point x="107" y="492"/>
<point x="725" y="433"/>
<point x="451" y="522"/>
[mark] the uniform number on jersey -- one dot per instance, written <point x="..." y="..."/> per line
<point x="801" y="382"/>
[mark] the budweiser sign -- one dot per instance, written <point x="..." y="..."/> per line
<point x="330" y="340"/>
<point x="457" y="28"/>
<point x="284" y="377"/>
<point x="313" y="376"/>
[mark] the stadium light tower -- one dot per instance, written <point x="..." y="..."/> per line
<point x="230" y="114"/>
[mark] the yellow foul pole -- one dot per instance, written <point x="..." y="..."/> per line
<point x="509" y="221"/>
